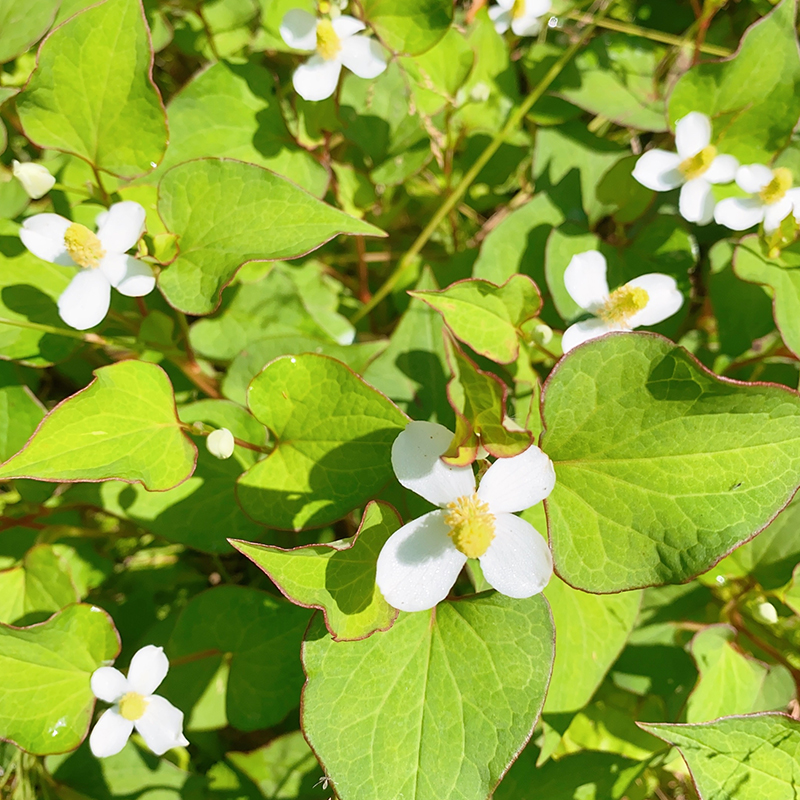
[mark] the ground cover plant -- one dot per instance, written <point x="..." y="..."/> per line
<point x="398" y="399"/>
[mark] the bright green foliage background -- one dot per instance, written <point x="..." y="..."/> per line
<point x="325" y="273"/>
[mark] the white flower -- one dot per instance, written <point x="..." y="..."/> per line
<point x="646" y="300"/>
<point x="156" y="720"/>
<point x="522" y="16"/>
<point x="419" y="563"/>
<point x="36" y="179"/>
<point x="336" y="44"/>
<point x="101" y="257"/>
<point x="694" y="167"/>
<point x="220" y="443"/>
<point x="772" y="199"/>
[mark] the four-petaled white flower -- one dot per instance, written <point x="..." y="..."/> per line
<point x="694" y="167"/>
<point x="646" y="300"/>
<point x="35" y="178"/>
<point x="337" y="43"/>
<point x="772" y="199"/>
<point x="522" y="16"/>
<point x="101" y="257"/>
<point x="156" y="720"/>
<point x="420" y="563"/>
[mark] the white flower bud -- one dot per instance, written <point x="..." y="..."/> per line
<point x="480" y="92"/>
<point x="36" y="179"/>
<point x="220" y="443"/>
<point x="768" y="613"/>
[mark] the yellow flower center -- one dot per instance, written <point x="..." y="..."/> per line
<point x="623" y="304"/>
<point x="776" y="189"/>
<point x="695" y="166"/>
<point x="132" y="706"/>
<point x="324" y="7"/>
<point x="83" y="246"/>
<point x="471" y="525"/>
<point x="518" y="9"/>
<point x="328" y="42"/>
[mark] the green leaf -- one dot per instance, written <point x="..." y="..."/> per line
<point x="123" y="425"/>
<point x="753" y="757"/>
<point x="232" y="111"/>
<point x="20" y="413"/>
<point x="226" y="213"/>
<point x="23" y="24"/>
<point x="730" y="681"/>
<point x="412" y="371"/>
<point x="437" y="707"/>
<point x="254" y="638"/>
<point x="338" y="578"/>
<point x="409" y="26"/>
<point x="46" y="702"/>
<point x="486" y="317"/>
<point x="326" y="421"/>
<point x="782" y="275"/>
<point x="92" y="93"/>
<point x="591" y="631"/>
<point x="36" y="588"/>
<point x="662" y="468"/>
<point x="479" y="400"/>
<point x="741" y="92"/>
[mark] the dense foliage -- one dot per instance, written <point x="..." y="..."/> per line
<point x="331" y="463"/>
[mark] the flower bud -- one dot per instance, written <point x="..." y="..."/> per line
<point x="767" y="612"/>
<point x="36" y="179"/>
<point x="220" y="443"/>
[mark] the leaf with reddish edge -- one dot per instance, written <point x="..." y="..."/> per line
<point x="486" y="317"/>
<point x="338" y="578"/>
<point x="479" y="400"/>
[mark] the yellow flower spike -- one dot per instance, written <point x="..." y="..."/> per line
<point x="472" y="525"/>
<point x="132" y="706"/>
<point x="776" y="189"/>
<point x="697" y="165"/>
<point x="623" y="304"/>
<point x="83" y="246"/>
<point x="328" y="42"/>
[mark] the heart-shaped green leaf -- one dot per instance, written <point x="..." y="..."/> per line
<point x="23" y="24"/>
<point x="409" y="26"/>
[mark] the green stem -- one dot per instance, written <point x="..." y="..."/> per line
<point x="645" y="33"/>
<point x="73" y="189"/>
<point x="452" y="200"/>
<point x="89" y="338"/>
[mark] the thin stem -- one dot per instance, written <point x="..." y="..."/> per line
<point x="645" y="33"/>
<point x="72" y="189"/>
<point x="452" y="200"/>
<point x="89" y="338"/>
<point x="221" y="568"/>
<point x="104" y="194"/>
<point x="209" y="34"/>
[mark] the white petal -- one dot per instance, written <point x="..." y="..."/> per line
<point x="794" y="197"/>
<point x="582" y="332"/>
<point x="585" y="279"/>
<point x="36" y="179"/>
<point x="503" y="5"/>
<point x="43" y="235"/>
<point x="299" y="29"/>
<point x="416" y="463"/>
<point x="658" y="170"/>
<point x="692" y="134"/>
<point x="317" y="78"/>
<point x="149" y="666"/>
<point x="161" y="725"/>
<point x="108" y="684"/>
<point x="526" y="26"/>
<point x="697" y="201"/>
<point x="119" y="228"/>
<point x="419" y="564"/>
<point x="663" y="299"/>
<point x="722" y="170"/>
<point x="516" y="483"/>
<point x="776" y="213"/>
<point x="110" y="734"/>
<point x="128" y="275"/>
<point x="518" y="562"/>
<point x="537" y="8"/>
<point x="753" y="178"/>
<point x="84" y="303"/>
<point x="739" y="213"/>
<point x="363" y="56"/>
<point x="220" y="443"/>
<point x="501" y="18"/>
<point x="345" y="26"/>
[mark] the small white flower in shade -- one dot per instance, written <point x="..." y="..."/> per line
<point x="522" y="16"/>
<point x="419" y="564"/>
<point x="694" y="167"/>
<point x="36" y="179"/>
<point x="771" y="200"/>
<point x="156" y="720"/>
<point x="646" y="300"/>
<point x="101" y="257"/>
<point x="337" y="43"/>
<point x="220" y="443"/>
